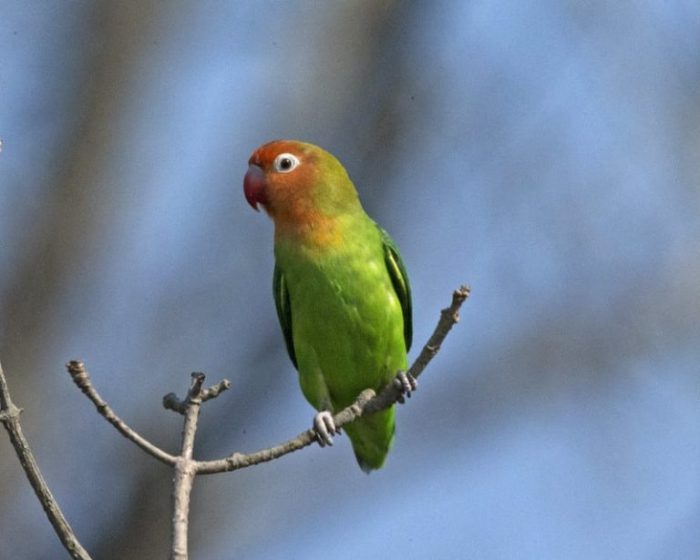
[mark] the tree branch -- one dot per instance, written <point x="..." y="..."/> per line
<point x="171" y="402"/>
<point x="368" y="402"/>
<point x="81" y="378"/>
<point x="185" y="470"/>
<point x="9" y="416"/>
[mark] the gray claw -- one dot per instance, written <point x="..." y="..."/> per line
<point x="406" y="383"/>
<point x="324" y="425"/>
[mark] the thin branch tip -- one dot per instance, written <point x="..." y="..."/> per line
<point x="172" y="402"/>
<point x="195" y="391"/>
<point x="463" y="292"/>
<point x="78" y="373"/>
<point x="215" y="390"/>
<point x="76" y="365"/>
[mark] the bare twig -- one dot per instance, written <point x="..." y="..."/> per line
<point x="215" y="390"/>
<point x="185" y="470"/>
<point x="184" y="465"/>
<point x="172" y="402"/>
<point x="366" y="403"/>
<point x="9" y="416"/>
<point x="82" y="380"/>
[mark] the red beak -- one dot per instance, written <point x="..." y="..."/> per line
<point x="254" y="186"/>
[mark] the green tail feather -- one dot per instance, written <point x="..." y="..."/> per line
<point x="371" y="438"/>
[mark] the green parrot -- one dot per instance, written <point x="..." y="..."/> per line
<point x="341" y="291"/>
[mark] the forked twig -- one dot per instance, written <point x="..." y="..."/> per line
<point x="185" y="466"/>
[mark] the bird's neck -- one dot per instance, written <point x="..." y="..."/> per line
<point x="315" y="231"/>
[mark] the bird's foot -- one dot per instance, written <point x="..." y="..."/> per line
<point x="325" y="429"/>
<point x="405" y="383"/>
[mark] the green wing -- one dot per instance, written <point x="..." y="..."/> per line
<point x="399" y="278"/>
<point x="284" y="311"/>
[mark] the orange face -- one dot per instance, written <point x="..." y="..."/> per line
<point x="303" y="188"/>
<point x="280" y="177"/>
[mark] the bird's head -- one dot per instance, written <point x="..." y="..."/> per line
<point x="296" y="181"/>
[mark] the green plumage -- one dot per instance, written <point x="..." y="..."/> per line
<point x="345" y="311"/>
<point x="346" y="319"/>
<point x="341" y="290"/>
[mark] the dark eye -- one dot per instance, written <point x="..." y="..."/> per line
<point x="284" y="163"/>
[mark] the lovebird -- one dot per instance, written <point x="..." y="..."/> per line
<point x="341" y="290"/>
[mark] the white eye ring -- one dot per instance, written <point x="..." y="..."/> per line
<point x="286" y="162"/>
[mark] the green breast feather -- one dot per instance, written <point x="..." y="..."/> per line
<point x="347" y="326"/>
<point x="399" y="279"/>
